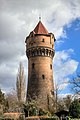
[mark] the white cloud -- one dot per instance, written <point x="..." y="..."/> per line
<point x="64" y="66"/>
<point x="18" y="18"/>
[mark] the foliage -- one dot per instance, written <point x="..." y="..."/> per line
<point x="21" y="117"/>
<point x="31" y="108"/>
<point x="43" y="112"/>
<point x="11" y="101"/>
<point x="75" y="83"/>
<point x="74" y="109"/>
<point x="2" y="99"/>
<point x="60" y="105"/>
<point x="21" y="84"/>
<point x="67" y="101"/>
<point x="2" y="102"/>
<point x="6" y="105"/>
<point x="12" y="104"/>
<point x="1" y="118"/>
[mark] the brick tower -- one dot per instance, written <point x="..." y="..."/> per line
<point x="40" y="53"/>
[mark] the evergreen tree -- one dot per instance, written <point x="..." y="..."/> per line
<point x="21" y="84"/>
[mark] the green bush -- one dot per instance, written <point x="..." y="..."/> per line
<point x="21" y="118"/>
<point x="42" y="112"/>
<point x="1" y="118"/>
<point x="74" y="109"/>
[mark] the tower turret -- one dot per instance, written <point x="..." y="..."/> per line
<point x="40" y="53"/>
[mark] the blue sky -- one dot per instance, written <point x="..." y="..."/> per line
<point x="19" y="18"/>
<point x="71" y="41"/>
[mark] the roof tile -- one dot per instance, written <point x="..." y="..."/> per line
<point x="40" y="29"/>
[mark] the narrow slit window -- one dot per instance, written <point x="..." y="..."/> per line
<point x="43" y="40"/>
<point x="50" y="66"/>
<point x="43" y="76"/>
<point x="50" y="40"/>
<point x="33" y="66"/>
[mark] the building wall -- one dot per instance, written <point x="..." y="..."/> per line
<point x="40" y="52"/>
<point x="34" y="41"/>
<point x="41" y="76"/>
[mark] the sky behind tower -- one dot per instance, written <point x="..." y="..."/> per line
<point x="19" y="17"/>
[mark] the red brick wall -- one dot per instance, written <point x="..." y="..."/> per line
<point x="40" y="79"/>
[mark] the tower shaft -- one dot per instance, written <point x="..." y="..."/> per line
<point x="40" y="52"/>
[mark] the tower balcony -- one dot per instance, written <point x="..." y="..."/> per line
<point x="40" y="51"/>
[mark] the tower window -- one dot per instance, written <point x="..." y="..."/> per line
<point x="33" y="66"/>
<point x="50" y="40"/>
<point x="43" y="76"/>
<point x="31" y="44"/>
<point x="50" y="66"/>
<point x="43" y="40"/>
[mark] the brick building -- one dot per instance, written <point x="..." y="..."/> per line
<point x="40" y="53"/>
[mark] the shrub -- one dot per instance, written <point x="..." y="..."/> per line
<point x="43" y="112"/>
<point x="21" y="118"/>
<point x="1" y="118"/>
<point x="74" y="109"/>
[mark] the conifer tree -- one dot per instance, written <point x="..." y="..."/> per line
<point x="21" y="84"/>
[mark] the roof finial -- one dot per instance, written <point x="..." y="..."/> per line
<point x="39" y="18"/>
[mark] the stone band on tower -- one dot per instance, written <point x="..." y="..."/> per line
<point x="40" y="53"/>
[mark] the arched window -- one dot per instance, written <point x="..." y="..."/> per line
<point x="33" y="65"/>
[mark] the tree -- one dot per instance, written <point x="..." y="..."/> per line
<point x="74" y="109"/>
<point x="75" y="85"/>
<point x="21" y="84"/>
<point x="2" y="98"/>
<point x="12" y="102"/>
<point x="2" y="102"/>
<point x="59" y="103"/>
<point x="67" y="101"/>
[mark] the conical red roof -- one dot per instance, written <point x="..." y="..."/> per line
<point x="40" y="29"/>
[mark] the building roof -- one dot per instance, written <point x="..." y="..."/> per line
<point x="12" y="115"/>
<point x="40" y="29"/>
